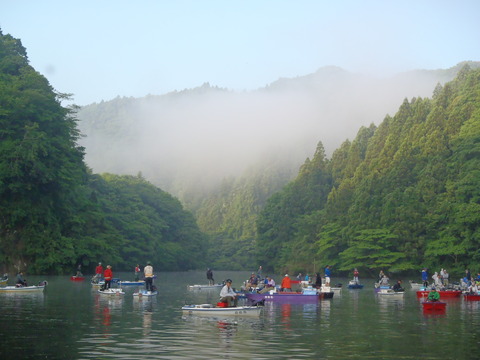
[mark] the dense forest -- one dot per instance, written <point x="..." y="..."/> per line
<point x="400" y="196"/>
<point x="54" y="212"/>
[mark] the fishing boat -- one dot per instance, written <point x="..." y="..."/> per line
<point x="444" y="294"/>
<point x="77" y="278"/>
<point x="390" y="292"/>
<point x="112" y="291"/>
<point x="352" y="284"/>
<point x="205" y="287"/>
<point x="434" y="305"/>
<point x="471" y="297"/>
<point x="306" y="296"/>
<point x="211" y="310"/>
<point x="24" y="289"/>
<point x="415" y="285"/>
<point x="145" y="293"/>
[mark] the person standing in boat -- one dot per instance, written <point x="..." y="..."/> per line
<point x="433" y="295"/>
<point x="286" y="283"/>
<point x="20" y="280"/>
<point x="108" y="276"/>
<point x="210" y="277"/>
<point x="425" y="277"/>
<point x="228" y="295"/>
<point x="79" y="270"/>
<point x="318" y="281"/>
<point x="381" y="275"/>
<point x="137" y="272"/>
<point x="98" y="272"/>
<point x="148" y="272"/>
<point x="328" y="273"/>
<point x="259" y="273"/>
<point x="355" y="275"/>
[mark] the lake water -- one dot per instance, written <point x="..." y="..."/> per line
<point x="72" y="321"/>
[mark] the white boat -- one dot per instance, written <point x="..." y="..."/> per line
<point x="114" y="292"/>
<point x="24" y="289"/>
<point x="205" y="287"/>
<point x="415" y="286"/>
<point x="143" y="293"/>
<point x="211" y="310"/>
<point x="390" y="292"/>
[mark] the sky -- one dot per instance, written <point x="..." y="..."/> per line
<point x="97" y="50"/>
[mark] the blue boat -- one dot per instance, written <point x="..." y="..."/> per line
<point x="354" y="285"/>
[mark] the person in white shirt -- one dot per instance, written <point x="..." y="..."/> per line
<point x="228" y="295"/>
<point x="148" y="272"/>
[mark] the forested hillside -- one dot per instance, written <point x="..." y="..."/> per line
<point x="56" y="214"/>
<point x="400" y="196"/>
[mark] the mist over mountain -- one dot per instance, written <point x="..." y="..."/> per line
<point x="190" y="140"/>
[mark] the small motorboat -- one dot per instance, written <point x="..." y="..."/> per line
<point x="352" y="284"/>
<point x="390" y="292"/>
<point x="77" y="278"/>
<point x="25" y="289"/>
<point x="444" y="294"/>
<point x="112" y="291"/>
<point x="434" y="305"/>
<point x="471" y="297"/>
<point x="146" y="293"/>
<point x="306" y="296"/>
<point x="205" y="287"/>
<point x="211" y="310"/>
<point x="415" y="285"/>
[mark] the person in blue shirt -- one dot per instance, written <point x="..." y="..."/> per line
<point x="425" y="277"/>
<point x="328" y="272"/>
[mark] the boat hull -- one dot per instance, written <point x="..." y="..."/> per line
<point x="205" y="287"/>
<point x="131" y="283"/>
<point x="471" y="297"/>
<point x="145" y="293"/>
<point x="23" y="289"/>
<point x="355" y="286"/>
<point x="111" y="292"/>
<point x="434" y="306"/>
<point x="209" y="310"/>
<point x="285" y="297"/>
<point x="446" y="294"/>
<point x="77" y="278"/>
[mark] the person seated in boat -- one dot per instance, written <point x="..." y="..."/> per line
<point x="307" y="278"/>
<point x="398" y="286"/>
<point x="270" y="285"/>
<point x="108" y="276"/>
<point x="473" y="288"/>
<point x="148" y="273"/>
<point x="286" y="284"/>
<point x="252" y="282"/>
<point x="210" y="277"/>
<point x="355" y="275"/>
<point x="318" y="281"/>
<point x="384" y="281"/>
<point x="437" y="281"/>
<point x="20" y="279"/>
<point x="433" y="295"/>
<point x="300" y="277"/>
<point x="228" y="295"/>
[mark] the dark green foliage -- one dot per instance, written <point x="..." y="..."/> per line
<point x="400" y="196"/>
<point x="54" y="214"/>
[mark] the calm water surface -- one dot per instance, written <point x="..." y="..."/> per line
<point x="72" y="321"/>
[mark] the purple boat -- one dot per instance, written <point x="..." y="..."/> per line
<point x="305" y="297"/>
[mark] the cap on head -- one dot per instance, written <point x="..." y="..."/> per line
<point x="286" y="274"/>
<point x="149" y="263"/>
<point x="99" y="263"/>
<point x="228" y="281"/>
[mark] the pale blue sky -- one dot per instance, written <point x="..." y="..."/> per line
<point x="100" y="49"/>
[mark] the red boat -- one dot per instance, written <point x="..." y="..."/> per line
<point x="434" y="305"/>
<point x="444" y="294"/>
<point x="77" y="278"/>
<point x="471" y="297"/>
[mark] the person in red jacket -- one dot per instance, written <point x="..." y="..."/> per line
<point x="108" y="275"/>
<point x="286" y="283"/>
